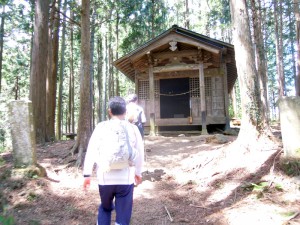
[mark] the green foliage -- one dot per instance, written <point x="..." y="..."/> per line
<point x="32" y="196"/>
<point x="139" y="18"/>
<point x="219" y="14"/>
<point x="4" y="126"/>
<point x="5" y="174"/>
<point x="7" y="220"/>
<point x="2" y="161"/>
<point x="278" y="187"/>
<point x="289" y="213"/>
<point x="261" y="187"/>
<point x="290" y="166"/>
<point x="34" y="222"/>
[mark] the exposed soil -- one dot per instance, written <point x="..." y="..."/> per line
<point x="187" y="180"/>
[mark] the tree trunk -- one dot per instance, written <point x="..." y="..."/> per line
<point x="279" y="47"/>
<point x="110" y="64"/>
<point x="32" y="8"/>
<point x="39" y="69"/>
<point x="187" y="14"/>
<point x="233" y="101"/>
<point x="260" y="59"/>
<point x="1" y="42"/>
<point x="52" y="70"/>
<point x="59" y="116"/>
<point x="71" y="81"/>
<point x="117" y="55"/>
<point x="292" y="41"/>
<point x="99" y="78"/>
<point x="297" y="15"/>
<point x="85" y="111"/>
<point x="152" y="19"/>
<point x="92" y="64"/>
<point x="251" y="128"/>
<point x="105" y="75"/>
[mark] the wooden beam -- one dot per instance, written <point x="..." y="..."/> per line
<point x="179" y="67"/>
<point x="175" y="67"/>
<point x="168" y="55"/>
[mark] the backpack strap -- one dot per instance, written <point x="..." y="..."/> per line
<point x="127" y="140"/>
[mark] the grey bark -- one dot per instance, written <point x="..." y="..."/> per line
<point x="39" y="69"/>
<point x="260" y="58"/>
<point x="297" y="77"/>
<point x="52" y="70"/>
<point x="59" y="115"/>
<point x="248" y="82"/>
<point x="85" y="112"/>
<point x="1" y="42"/>
<point x="279" y="46"/>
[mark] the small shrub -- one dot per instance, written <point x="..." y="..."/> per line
<point x="7" y="220"/>
<point x="290" y="166"/>
<point x="34" y="222"/>
<point x="5" y="174"/>
<point x="31" y="196"/>
<point x="2" y="161"/>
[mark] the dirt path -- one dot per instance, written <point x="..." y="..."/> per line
<point x="187" y="180"/>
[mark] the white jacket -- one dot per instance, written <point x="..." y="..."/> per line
<point x="122" y="176"/>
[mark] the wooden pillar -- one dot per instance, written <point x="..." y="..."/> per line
<point x="136" y="82"/>
<point x="152" y="99"/>
<point x="226" y="96"/>
<point x="202" y="97"/>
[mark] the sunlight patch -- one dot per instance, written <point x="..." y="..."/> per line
<point x="258" y="214"/>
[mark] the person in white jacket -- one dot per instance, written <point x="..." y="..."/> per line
<point x="135" y="113"/>
<point x="115" y="186"/>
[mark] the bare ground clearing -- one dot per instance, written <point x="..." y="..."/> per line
<point x="187" y="180"/>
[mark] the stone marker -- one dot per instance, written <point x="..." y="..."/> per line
<point x="22" y="133"/>
<point x="289" y="108"/>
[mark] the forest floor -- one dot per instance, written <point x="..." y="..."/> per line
<point x="189" y="180"/>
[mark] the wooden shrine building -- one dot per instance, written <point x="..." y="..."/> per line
<point x="182" y="79"/>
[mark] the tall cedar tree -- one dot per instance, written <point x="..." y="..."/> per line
<point x="297" y="15"/>
<point x="260" y="57"/>
<point x="252" y="127"/>
<point x="52" y="69"/>
<point x="279" y="46"/>
<point x="85" y="112"/>
<point x="39" y="69"/>
<point x="59" y="115"/>
<point x="1" y="41"/>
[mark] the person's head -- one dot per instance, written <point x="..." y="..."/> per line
<point x="117" y="106"/>
<point x="132" y="98"/>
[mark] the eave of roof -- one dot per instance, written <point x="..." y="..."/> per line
<point x="125" y="64"/>
<point x="179" y="30"/>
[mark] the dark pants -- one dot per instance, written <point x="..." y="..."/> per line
<point x="123" y="195"/>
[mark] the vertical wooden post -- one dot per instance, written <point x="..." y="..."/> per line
<point x="136" y="82"/>
<point x="202" y="97"/>
<point x="226" y="96"/>
<point x="152" y="99"/>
